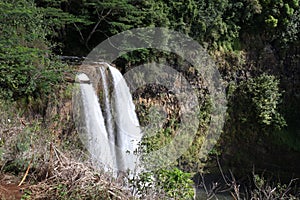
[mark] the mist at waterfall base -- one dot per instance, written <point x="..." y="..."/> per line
<point x="109" y="130"/>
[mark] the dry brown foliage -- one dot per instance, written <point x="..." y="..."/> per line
<point x="65" y="178"/>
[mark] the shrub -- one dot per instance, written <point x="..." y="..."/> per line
<point x="256" y="102"/>
<point x="176" y="183"/>
<point x="25" y="65"/>
<point x="163" y="183"/>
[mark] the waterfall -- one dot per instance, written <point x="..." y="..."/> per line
<point x="111" y="137"/>
<point x="108" y="113"/>
<point x="94" y="129"/>
<point x="127" y="130"/>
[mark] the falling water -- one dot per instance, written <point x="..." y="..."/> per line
<point x="108" y="113"/>
<point x="94" y="128"/>
<point x="112" y="139"/>
<point x="127" y="130"/>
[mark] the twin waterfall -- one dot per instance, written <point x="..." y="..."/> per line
<point x="108" y="125"/>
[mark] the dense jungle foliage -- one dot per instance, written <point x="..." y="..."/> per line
<point x="255" y="44"/>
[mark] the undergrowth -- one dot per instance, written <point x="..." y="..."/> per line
<point x="44" y="154"/>
<point x="29" y="150"/>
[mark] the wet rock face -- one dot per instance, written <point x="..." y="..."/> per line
<point x="92" y="74"/>
<point x="156" y="96"/>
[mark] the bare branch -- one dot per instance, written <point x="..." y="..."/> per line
<point x="80" y="33"/>
<point x="96" y="26"/>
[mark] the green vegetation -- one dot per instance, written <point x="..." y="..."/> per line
<point x="256" y="45"/>
<point x="262" y="97"/>
<point x="168" y="183"/>
<point x="176" y="183"/>
<point x="26" y="70"/>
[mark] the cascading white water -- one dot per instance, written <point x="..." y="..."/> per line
<point x="127" y="131"/>
<point x="95" y="131"/>
<point x="108" y="113"/>
<point x="111" y="141"/>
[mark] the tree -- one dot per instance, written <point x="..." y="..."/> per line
<point x="25" y="65"/>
